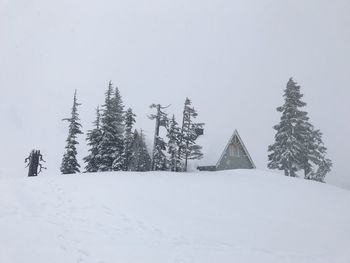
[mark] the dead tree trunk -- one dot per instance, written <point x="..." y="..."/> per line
<point x="34" y="160"/>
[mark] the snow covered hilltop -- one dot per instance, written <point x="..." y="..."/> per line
<point x="227" y="216"/>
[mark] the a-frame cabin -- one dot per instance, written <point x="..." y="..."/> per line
<point x="234" y="156"/>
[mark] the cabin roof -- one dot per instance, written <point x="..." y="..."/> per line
<point x="235" y="133"/>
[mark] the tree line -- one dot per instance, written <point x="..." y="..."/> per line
<point x="114" y="144"/>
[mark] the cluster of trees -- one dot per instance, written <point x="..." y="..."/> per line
<point x="298" y="144"/>
<point x="114" y="144"/>
<point x="180" y="144"/>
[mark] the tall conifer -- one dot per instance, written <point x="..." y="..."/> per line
<point x="111" y="145"/>
<point x="93" y="160"/>
<point x="128" y="138"/>
<point x="298" y="145"/>
<point x="174" y="136"/>
<point x="140" y="158"/>
<point x="70" y="164"/>
<point x="188" y="148"/>
<point x="119" y="126"/>
<point x="159" y="159"/>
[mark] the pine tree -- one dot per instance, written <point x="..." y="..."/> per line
<point x="174" y="136"/>
<point x="106" y="147"/>
<point x="159" y="160"/>
<point x="292" y="133"/>
<point x="111" y="145"/>
<point x="118" y="163"/>
<point x="70" y="164"/>
<point x="94" y="136"/>
<point x="188" y="148"/>
<point x="159" y="157"/>
<point x="298" y="145"/>
<point x="145" y="161"/>
<point x="128" y="138"/>
<point x="140" y="159"/>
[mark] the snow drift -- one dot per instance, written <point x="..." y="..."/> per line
<point x="229" y="216"/>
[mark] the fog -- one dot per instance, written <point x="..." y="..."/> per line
<point x="232" y="58"/>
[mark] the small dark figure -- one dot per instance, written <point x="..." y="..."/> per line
<point x="34" y="160"/>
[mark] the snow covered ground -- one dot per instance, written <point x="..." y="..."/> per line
<point x="231" y="216"/>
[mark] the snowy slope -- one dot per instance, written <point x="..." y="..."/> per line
<point x="233" y="216"/>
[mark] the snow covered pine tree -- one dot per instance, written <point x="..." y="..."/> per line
<point x="188" y="149"/>
<point x="159" y="160"/>
<point x="69" y="162"/>
<point x="111" y="145"/>
<point x="174" y="137"/>
<point x="297" y="144"/>
<point x="118" y="109"/>
<point x="140" y="159"/>
<point x="94" y="136"/>
<point x="128" y="139"/>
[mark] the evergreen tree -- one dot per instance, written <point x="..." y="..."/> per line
<point x="111" y="145"/>
<point x="159" y="160"/>
<point x="174" y="136"/>
<point x="298" y="146"/>
<point x="94" y="136"/>
<point x="145" y="158"/>
<point x="128" y="138"/>
<point x="188" y="148"/>
<point x="140" y="159"/>
<point x="119" y="160"/>
<point x="292" y="133"/>
<point x="70" y="164"/>
<point x="159" y="157"/>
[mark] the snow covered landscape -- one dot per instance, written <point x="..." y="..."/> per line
<point x="227" y="216"/>
<point x="162" y="131"/>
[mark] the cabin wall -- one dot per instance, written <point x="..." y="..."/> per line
<point x="234" y="162"/>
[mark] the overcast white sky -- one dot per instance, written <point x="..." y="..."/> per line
<point x="232" y="58"/>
